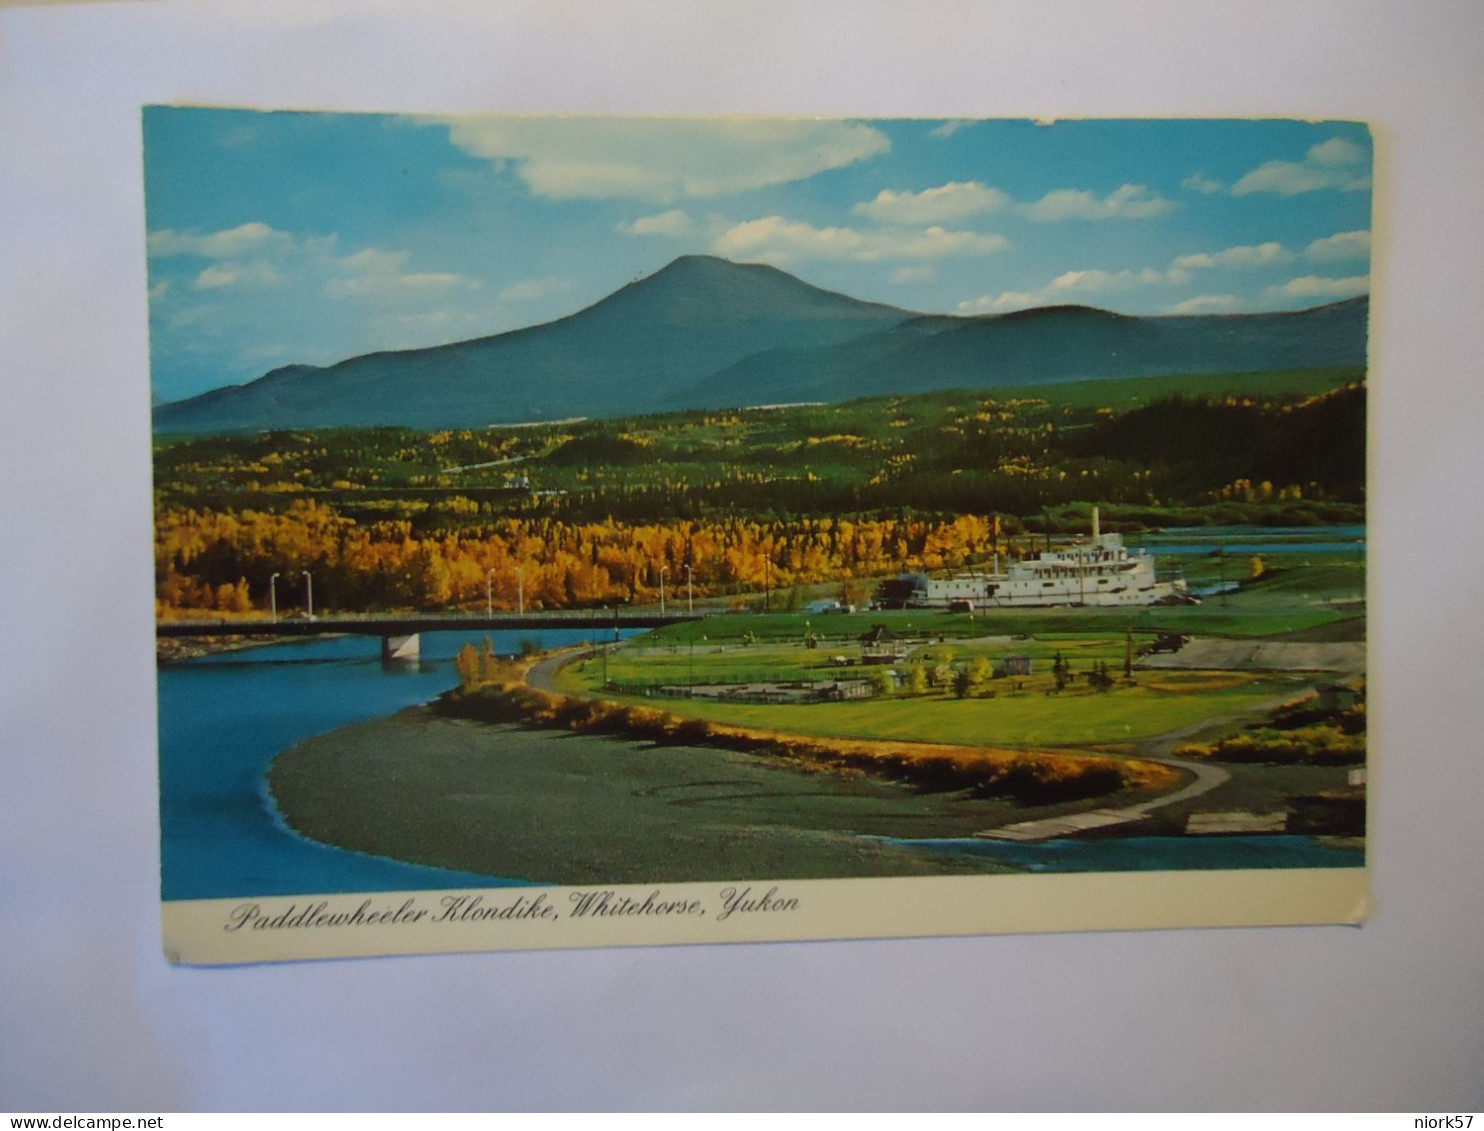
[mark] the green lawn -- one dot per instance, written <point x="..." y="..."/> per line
<point x="1240" y="617"/>
<point x="1028" y="718"/>
<point x="710" y="663"/>
<point x="648" y="661"/>
<point x="1291" y="601"/>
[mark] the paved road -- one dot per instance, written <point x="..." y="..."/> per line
<point x="542" y="675"/>
<point x="1207" y="778"/>
<point x="402" y="624"/>
<point x="1155" y="749"/>
<point x="1261" y="655"/>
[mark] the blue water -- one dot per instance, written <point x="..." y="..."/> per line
<point x="1153" y="854"/>
<point x="224" y="718"/>
<point x="1242" y="540"/>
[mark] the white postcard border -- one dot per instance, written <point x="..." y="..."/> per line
<point x="366" y="924"/>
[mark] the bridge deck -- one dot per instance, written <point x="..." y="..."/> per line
<point x="404" y="625"/>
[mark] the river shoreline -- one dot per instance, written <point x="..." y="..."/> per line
<point x="562" y="809"/>
<point x="181" y="650"/>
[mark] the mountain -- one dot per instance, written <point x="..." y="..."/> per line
<point x="705" y="332"/>
<point x="1060" y="343"/>
<point x="634" y="351"/>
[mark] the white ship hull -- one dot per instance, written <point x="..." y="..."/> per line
<point x="1097" y="572"/>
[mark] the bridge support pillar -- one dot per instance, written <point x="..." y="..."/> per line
<point x="400" y="648"/>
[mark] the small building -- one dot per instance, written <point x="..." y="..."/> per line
<point x="880" y="645"/>
<point x="1017" y="665"/>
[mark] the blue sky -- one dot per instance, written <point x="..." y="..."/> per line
<point x="290" y="237"/>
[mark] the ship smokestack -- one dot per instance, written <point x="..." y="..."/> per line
<point x="1095" y="532"/>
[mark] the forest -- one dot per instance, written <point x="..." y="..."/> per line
<point x="588" y="512"/>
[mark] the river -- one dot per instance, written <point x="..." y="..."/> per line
<point x="223" y="719"/>
<point x="1237" y="541"/>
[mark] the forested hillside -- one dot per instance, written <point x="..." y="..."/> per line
<point x="590" y="512"/>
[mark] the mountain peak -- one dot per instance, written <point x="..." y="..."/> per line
<point x="708" y="288"/>
<point x="704" y="331"/>
<point x="1073" y="310"/>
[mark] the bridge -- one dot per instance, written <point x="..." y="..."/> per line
<point x="400" y="632"/>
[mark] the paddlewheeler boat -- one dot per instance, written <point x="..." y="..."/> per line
<point x="1096" y="571"/>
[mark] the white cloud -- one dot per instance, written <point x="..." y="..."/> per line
<point x="528" y="289"/>
<point x="214" y="277"/>
<point x="381" y="282"/>
<point x="673" y="223"/>
<point x="257" y="255"/>
<point x="950" y="127"/>
<point x="281" y="258"/>
<point x="1207" y="304"/>
<point x="1128" y="202"/>
<point x="952" y="201"/>
<point x="1260" y="255"/>
<point x="1339" y="247"/>
<point x="227" y="244"/>
<point x="438" y="280"/>
<point x="1102" y="281"/>
<point x="993" y="304"/>
<point x="1336" y="151"/>
<point x="923" y="274"/>
<point x="775" y="239"/>
<point x="1333" y="164"/>
<point x="373" y="261"/>
<point x="1315" y="286"/>
<point x="662" y="160"/>
<point x="255" y="273"/>
<point x="1072" y="286"/>
<point x="1199" y="182"/>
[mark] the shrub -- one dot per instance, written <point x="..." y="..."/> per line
<point x="979" y="672"/>
<point x="1311" y="745"/>
<point x="1046" y="782"/>
<point x="691" y="732"/>
<point x="1028" y="778"/>
<point x="917" y="680"/>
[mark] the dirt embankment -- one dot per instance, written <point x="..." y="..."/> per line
<point x="1029" y="777"/>
<point x="512" y="801"/>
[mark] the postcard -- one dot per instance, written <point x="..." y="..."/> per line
<point x="613" y="531"/>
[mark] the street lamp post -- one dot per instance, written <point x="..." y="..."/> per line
<point x="308" y="592"/>
<point x="273" y="596"/>
<point x="662" y="589"/>
<point x="605" y="658"/>
<point x="690" y="592"/>
<point x="489" y="593"/>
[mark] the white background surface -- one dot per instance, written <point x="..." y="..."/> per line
<point x="1388" y="1016"/>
